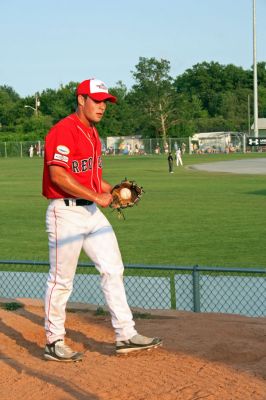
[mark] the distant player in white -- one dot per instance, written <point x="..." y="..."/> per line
<point x="31" y="150"/>
<point x="178" y="157"/>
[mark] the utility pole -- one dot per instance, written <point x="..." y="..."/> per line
<point x="255" y="79"/>
<point x="37" y="105"/>
<point x="248" y="115"/>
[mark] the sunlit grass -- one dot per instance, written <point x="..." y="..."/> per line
<point x="185" y="218"/>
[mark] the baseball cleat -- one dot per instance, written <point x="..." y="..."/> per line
<point x="59" y="351"/>
<point x="137" y="343"/>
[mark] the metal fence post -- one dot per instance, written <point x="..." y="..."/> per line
<point x="172" y="290"/>
<point x="196" y="289"/>
<point x="244" y="143"/>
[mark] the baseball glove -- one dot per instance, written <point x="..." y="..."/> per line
<point x="125" y="194"/>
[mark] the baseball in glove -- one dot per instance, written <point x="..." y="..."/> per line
<point x="125" y="194"/>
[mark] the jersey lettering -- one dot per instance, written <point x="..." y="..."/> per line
<point x="90" y="163"/>
<point x="75" y="166"/>
<point x="100" y="162"/>
<point x="82" y="165"/>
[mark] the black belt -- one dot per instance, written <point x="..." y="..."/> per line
<point x="78" y="202"/>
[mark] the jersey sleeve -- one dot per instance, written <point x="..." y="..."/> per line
<point x="60" y="146"/>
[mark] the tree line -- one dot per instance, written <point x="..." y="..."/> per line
<point x="205" y="98"/>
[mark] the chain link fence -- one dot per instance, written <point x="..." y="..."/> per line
<point x="22" y="149"/>
<point x="207" y="143"/>
<point x="198" y="289"/>
<point x="110" y="146"/>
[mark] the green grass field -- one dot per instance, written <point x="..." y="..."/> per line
<point x="185" y="218"/>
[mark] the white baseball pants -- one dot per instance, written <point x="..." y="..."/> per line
<point x="179" y="160"/>
<point x="71" y="228"/>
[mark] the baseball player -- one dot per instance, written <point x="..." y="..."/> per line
<point x="170" y="163"/>
<point x="72" y="181"/>
<point x="178" y="156"/>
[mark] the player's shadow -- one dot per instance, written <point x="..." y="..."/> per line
<point x="90" y="344"/>
<point x="32" y="348"/>
<point x="64" y="385"/>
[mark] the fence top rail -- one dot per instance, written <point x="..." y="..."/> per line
<point x="195" y="268"/>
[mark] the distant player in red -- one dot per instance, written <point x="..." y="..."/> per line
<point x="72" y="181"/>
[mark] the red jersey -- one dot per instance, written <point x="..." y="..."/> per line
<point x="76" y="147"/>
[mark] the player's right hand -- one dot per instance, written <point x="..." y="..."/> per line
<point x="104" y="199"/>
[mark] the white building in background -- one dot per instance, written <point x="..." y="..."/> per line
<point x="261" y="127"/>
<point x="216" y="142"/>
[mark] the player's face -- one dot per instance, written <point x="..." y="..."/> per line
<point x="91" y="111"/>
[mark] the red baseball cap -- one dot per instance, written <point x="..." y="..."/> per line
<point x="96" y="90"/>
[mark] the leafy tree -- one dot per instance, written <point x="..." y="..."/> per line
<point x="206" y="97"/>
<point x="119" y="119"/>
<point x="223" y="91"/>
<point x="261" y="72"/>
<point x="58" y="103"/>
<point x="154" y="94"/>
<point x="37" y="126"/>
<point x="10" y="105"/>
<point x="262" y="101"/>
<point x="209" y="80"/>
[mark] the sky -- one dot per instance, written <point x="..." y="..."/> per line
<point x="45" y="44"/>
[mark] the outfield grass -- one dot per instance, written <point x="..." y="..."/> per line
<point x="186" y="218"/>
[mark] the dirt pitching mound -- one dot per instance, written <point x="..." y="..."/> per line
<point x="204" y="356"/>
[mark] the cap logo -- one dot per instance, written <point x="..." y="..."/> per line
<point x="96" y="89"/>
<point x="97" y="86"/>
<point x="101" y="86"/>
